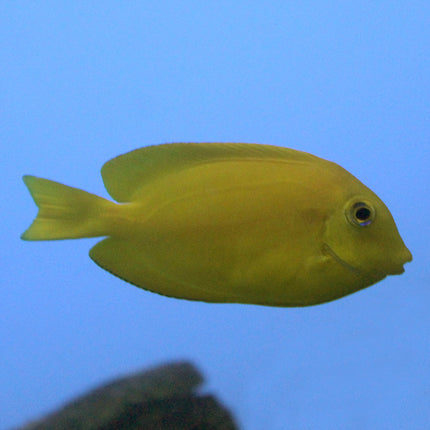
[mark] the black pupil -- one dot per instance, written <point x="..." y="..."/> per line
<point x="362" y="214"/>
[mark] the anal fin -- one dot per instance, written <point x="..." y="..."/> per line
<point x="129" y="261"/>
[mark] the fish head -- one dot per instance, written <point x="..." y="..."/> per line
<point x="361" y="235"/>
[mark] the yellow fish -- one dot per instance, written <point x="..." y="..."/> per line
<point x="230" y="223"/>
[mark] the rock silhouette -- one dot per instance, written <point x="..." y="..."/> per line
<point x="162" y="398"/>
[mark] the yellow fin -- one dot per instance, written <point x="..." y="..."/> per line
<point x="126" y="173"/>
<point x="129" y="261"/>
<point x="64" y="212"/>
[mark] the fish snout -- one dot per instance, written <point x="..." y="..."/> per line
<point x="396" y="268"/>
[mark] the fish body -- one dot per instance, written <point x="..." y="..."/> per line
<point x="228" y="223"/>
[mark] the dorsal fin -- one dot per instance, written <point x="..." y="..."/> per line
<point x="128" y="172"/>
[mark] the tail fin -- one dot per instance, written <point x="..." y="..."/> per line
<point x="64" y="212"/>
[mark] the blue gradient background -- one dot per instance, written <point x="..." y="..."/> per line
<point x="83" y="81"/>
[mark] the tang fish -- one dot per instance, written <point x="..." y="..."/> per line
<point x="228" y="223"/>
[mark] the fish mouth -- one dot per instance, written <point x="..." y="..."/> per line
<point x="398" y="271"/>
<point x="373" y="276"/>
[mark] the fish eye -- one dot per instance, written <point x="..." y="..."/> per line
<point x="361" y="214"/>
